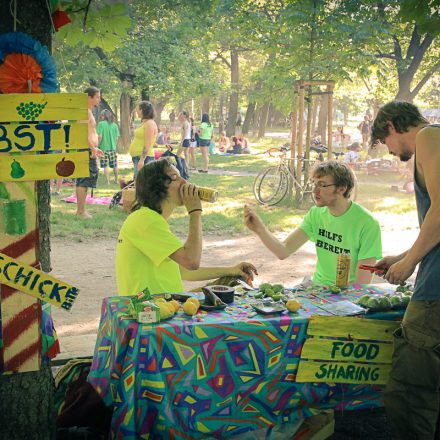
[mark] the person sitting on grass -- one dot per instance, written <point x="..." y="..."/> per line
<point x="244" y="144"/>
<point x="148" y="254"/>
<point x="236" y="147"/>
<point x="223" y="143"/>
<point x="336" y="225"/>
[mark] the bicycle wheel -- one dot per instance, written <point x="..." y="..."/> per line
<point x="271" y="186"/>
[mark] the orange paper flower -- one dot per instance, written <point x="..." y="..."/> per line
<point x="16" y="70"/>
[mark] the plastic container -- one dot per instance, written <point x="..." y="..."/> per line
<point x="13" y="214"/>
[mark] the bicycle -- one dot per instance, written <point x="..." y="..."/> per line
<point x="272" y="184"/>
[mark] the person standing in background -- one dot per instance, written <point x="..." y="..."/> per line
<point x="185" y="135"/>
<point x="141" y="148"/>
<point x="108" y="134"/>
<point x="192" y="146"/>
<point x="205" y="135"/>
<point x="364" y="127"/>
<point x="83" y="183"/>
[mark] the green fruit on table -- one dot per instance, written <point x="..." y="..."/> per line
<point x="277" y="296"/>
<point x="373" y="303"/>
<point x="259" y="295"/>
<point x="401" y="288"/>
<point x="269" y="292"/>
<point x="408" y="292"/>
<point x="384" y="303"/>
<point x="278" y="288"/>
<point x="335" y="289"/>
<point x="406" y="299"/>
<point x="396" y="300"/>
<point x="363" y="301"/>
<point x="265" y="286"/>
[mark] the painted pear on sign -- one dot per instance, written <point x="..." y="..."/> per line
<point x="17" y="172"/>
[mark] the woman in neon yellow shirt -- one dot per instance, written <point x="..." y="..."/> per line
<point x="148" y="254"/>
<point x="141" y="148"/>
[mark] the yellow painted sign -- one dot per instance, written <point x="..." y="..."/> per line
<point x="355" y="328"/>
<point x="43" y="166"/>
<point x="29" y="137"/>
<point x="36" y="283"/>
<point x="342" y="372"/>
<point x="30" y="107"/>
<point x="357" y="356"/>
<point x="353" y="351"/>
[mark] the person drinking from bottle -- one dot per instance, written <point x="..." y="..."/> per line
<point x="148" y="254"/>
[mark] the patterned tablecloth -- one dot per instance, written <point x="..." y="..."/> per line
<point x="218" y="374"/>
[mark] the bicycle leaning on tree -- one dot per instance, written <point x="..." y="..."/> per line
<point x="273" y="183"/>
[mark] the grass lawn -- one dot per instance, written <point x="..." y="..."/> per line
<point x="224" y="218"/>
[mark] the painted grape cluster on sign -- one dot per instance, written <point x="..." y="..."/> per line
<point x="30" y="110"/>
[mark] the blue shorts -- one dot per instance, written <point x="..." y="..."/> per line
<point x="204" y="142"/>
<point x="89" y="182"/>
<point x="186" y="143"/>
<point x="136" y="160"/>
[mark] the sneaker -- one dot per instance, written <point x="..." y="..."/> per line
<point x="203" y="171"/>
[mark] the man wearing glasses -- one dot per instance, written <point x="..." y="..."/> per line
<point x="336" y="225"/>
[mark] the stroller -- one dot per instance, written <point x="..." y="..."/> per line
<point x="180" y="164"/>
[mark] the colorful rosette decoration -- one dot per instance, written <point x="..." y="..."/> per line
<point x="24" y="59"/>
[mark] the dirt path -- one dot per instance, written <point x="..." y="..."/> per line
<point x="90" y="266"/>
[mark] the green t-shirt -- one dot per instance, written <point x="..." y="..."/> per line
<point x="207" y="131"/>
<point x="145" y="243"/>
<point x="109" y="135"/>
<point x="356" y="232"/>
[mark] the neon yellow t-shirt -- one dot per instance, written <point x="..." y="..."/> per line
<point x="356" y="232"/>
<point x="145" y="243"/>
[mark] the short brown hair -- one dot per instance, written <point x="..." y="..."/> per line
<point x="341" y="173"/>
<point x="92" y="91"/>
<point x="402" y="115"/>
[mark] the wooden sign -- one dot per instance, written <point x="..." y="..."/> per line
<point x="34" y="282"/>
<point x="31" y="137"/>
<point x="361" y="354"/>
<point x="43" y="122"/>
<point x="30" y="107"/>
<point x="43" y="166"/>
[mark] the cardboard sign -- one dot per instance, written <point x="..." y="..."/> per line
<point x="30" y="107"/>
<point x="43" y="166"/>
<point x="361" y="354"/>
<point x="31" y="137"/>
<point x="36" y="283"/>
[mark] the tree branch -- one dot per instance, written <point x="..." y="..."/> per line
<point x="413" y="44"/>
<point x="425" y="78"/>
<point x="385" y="55"/>
<point x="219" y="56"/>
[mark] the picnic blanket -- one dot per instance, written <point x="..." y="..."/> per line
<point x="90" y="200"/>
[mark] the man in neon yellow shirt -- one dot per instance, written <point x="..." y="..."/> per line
<point x="148" y="254"/>
<point x="336" y="225"/>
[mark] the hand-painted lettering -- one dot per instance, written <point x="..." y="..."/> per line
<point x="18" y="132"/>
<point x="4" y="138"/>
<point x="47" y="128"/>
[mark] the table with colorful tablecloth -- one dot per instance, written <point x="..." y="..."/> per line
<point x="218" y="374"/>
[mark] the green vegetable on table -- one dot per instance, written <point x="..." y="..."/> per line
<point x="335" y="289"/>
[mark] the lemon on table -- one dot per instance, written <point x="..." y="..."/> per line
<point x="194" y="300"/>
<point x="190" y="308"/>
<point x="175" y="304"/>
<point x="166" y="310"/>
<point x="293" y="305"/>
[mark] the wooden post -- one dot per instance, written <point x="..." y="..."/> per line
<point x="294" y="127"/>
<point x="308" y="137"/>
<point x="330" y="121"/>
<point x="300" y="136"/>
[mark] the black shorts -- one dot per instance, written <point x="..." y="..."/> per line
<point x="204" y="142"/>
<point x="186" y="143"/>
<point x="89" y="182"/>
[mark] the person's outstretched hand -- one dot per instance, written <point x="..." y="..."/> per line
<point x="245" y="270"/>
<point x="251" y="220"/>
<point x="190" y="197"/>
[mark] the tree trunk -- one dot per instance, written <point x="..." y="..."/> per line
<point x="158" y="109"/>
<point x="322" y="120"/>
<point x="233" y="100"/>
<point x="205" y="104"/>
<point x="248" y="118"/>
<point x="145" y="95"/>
<point x="270" y="115"/>
<point x="221" y="108"/>
<point x="26" y="402"/>
<point x="314" y="114"/>
<point x="126" y="113"/>
<point x="256" y="122"/>
<point x="263" y="120"/>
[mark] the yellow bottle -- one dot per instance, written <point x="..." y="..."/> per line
<point x="343" y="270"/>
<point x="208" y="194"/>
